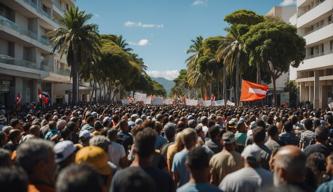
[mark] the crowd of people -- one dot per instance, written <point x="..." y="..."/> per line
<point x="133" y="148"/>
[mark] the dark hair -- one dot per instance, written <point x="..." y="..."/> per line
<point x="5" y="160"/>
<point x="79" y="178"/>
<point x="214" y="131"/>
<point x="198" y="158"/>
<point x="288" y="126"/>
<point x="13" y="179"/>
<point x="52" y="125"/>
<point x="321" y="134"/>
<point x="90" y="119"/>
<point x="145" y="142"/>
<point x="308" y="124"/>
<point x="13" y="122"/>
<point x="259" y="134"/>
<point x="133" y="179"/>
<point x="261" y="123"/>
<point x="272" y="130"/>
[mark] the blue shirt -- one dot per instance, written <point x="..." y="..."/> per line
<point x="51" y="133"/>
<point x="198" y="187"/>
<point x="325" y="187"/>
<point x="178" y="166"/>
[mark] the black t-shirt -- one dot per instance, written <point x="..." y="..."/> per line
<point x="317" y="148"/>
<point x="162" y="181"/>
<point x="125" y="139"/>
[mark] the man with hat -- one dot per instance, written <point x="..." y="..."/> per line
<point x="64" y="153"/>
<point x="96" y="158"/>
<point x="226" y="161"/>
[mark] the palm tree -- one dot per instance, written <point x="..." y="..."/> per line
<point x="121" y="42"/>
<point x="79" y="41"/>
<point x="231" y="52"/>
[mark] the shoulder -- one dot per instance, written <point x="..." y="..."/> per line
<point x="325" y="187"/>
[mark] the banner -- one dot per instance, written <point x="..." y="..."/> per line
<point x="191" y="102"/>
<point x="207" y="103"/>
<point x="253" y="91"/>
<point x="168" y="101"/>
<point x="157" y="101"/>
<point x="140" y="97"/>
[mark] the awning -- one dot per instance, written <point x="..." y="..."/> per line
<point x="53" y="77"/>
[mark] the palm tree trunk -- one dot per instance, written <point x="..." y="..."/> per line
<point x="274" y="90"/>
<point x="237" y="86"/>
<point x="75" y="74"/>
<point x="225" y="84"/>
<point x="258" y="72"/>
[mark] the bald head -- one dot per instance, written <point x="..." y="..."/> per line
<point x="289" y="165"/>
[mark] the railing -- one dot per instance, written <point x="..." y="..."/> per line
<point x="8" y="23"/>
<point x="18" y="62"/>
<point x="57" y="4"/>
<point x="40" y="10"/>
<point x="60" y="71"/>
<point x="314" y="6"/>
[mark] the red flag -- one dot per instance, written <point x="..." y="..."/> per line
<point x="18" y="99"/>
<point x="253" y="91"/>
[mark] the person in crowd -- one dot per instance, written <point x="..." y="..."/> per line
<point x="308" y="136"/>
<point x="53" y="133"/>
<point x="173" y="149"/>
<point x="81" y="178"/>
<point x="289" y="170"/>
<point x="288" y="137"/>
<point x="240" y="135"/>
<point x="64" y="153"/>
<point x="124" y="137"/>
<point x="226" y="161"/>
<point x="213" y="143"/>
<point x="5" y="158"/>
<point x="179" y="170"/>
<point x="97" y="158"/>
<point x="198" y="164"/>
<point x="328" y="185"/>
<point x="273" y="138"/>
<point x="89" y="126"/>
<point x="251" y="178"/>
<point x="84" y="138"/>
<point x="144" y="148"/>
<point x="321" y="137"/>
<point x="315" y="170"/>
<point x="169" y="132"/>
<point x="37" y="158"/>
<point x="116" y="151"/>
<point x="13" y="179"/>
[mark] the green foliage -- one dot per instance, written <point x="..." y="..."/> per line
<point x="242" y="16"/>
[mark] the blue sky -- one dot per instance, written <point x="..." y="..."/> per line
<point x="160" y="31"/>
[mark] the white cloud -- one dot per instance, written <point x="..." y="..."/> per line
<point x="199" y="2"/>
<point x="96" y="15"/>
<point x="169" y="74"/>
<point x="288" y="2"/>
<point x="141" y="42"/>
<point x="142" y="25"/>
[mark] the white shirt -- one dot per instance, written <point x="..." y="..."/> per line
<point x="116" y="152"/>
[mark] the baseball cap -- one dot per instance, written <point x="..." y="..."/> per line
<point x="138" y="121"/>
<point x="95" y="157"/>
<point x="85" y="134"/>
<point x="63" y="150"/>
<point x="251" y="153"/>
<point x="228" y="137"/>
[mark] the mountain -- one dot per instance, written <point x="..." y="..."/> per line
<point x="167" y="84"/>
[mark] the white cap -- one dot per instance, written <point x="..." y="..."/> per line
<point x="63" y="150"/>
<point x="85" y="133"/>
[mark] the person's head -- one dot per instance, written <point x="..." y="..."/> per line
<point x="273" y="132"/>
<point x="52" y="125"/>
<point x="90" y="120"/>
<point x="123" y="125"/>
<point x="61" y="124"/>
<point x="179" y="141"/>
<point x="289" y="166"/>
<point x="5" y="160"/>
<point x="215" y="134"/>
<point x="37" y="158"/>
<point x="15" y="123"/>
<point x="98" y="126"/>
<point x="144" y="143"/>
<point x="198" y="163"/>
<point x="65" y="153"/>
<point x="79" y="178"/>
<point x="259" y="135"/>
<point x="112" y="134"/>
<point x="13" y="179"/>
<point x="192" y="123"/>
<point x="315" y="165"/>
<point x="321" y="134"/>
<point x="189" y="138"/>
<point x="35" y="130"/>
<point x="241" y="126"/>
<point x="288" y="126"/>
<point x="15" y="135"/>
<point x="100" y="141"/>
<point x="97" y="158"/>
<point x="308" y="124"/>
<point x="228" y="141"/>
<point x="170" y="131"/>
<point x="84" y="137"/>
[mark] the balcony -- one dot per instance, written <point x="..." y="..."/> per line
<point x="65" y="72"/>
<point x="28" y="4"/>
<point x="314" y="13"/>
<point x="58" y="8"/>
<point x="13" y="29"/>
<point x="18" y="62"/>
<point x="319" y="35"/>
<point x="317" y="62"/>
<point x="300" y="2"/>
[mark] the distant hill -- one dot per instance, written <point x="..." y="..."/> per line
<point x="167" y="84"/>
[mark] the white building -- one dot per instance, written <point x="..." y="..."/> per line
<point x="27" y="63"/>
<point x="314" y="21"/>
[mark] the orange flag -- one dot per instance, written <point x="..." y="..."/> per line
<point x="253" y="91"/>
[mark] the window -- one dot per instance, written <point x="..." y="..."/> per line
<point x="311" y="51"/>
<point x="322" y="48"/>
<point x="331" y="45"/>
<point x="330" y="19"/>
<point x="11" y="49"/>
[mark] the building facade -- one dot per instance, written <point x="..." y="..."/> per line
<point x="27" y="62"/>
<point x="314" y="21"/>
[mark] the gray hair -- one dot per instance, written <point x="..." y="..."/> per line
<point x="100" y="141"/>
<point x="61" y="124"/>
<point x="31" y="152"/>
